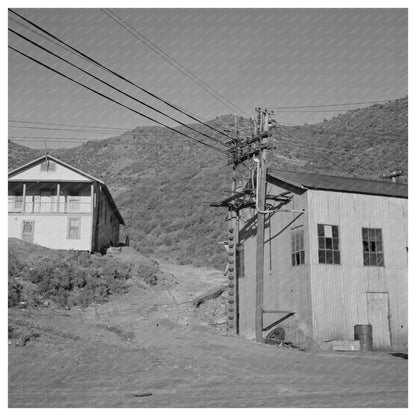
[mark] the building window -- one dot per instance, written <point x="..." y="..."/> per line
<point x="373" y="247"/>
<point x="240" y="261"/>
<point x="328" y="243"/>
<point x="298" y="249"/>
<point x="73" y="202"/>
<point x="74" y="228"/>
<point x="48" y="165"/>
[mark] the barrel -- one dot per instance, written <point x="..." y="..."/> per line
<point x="364" y="333"/>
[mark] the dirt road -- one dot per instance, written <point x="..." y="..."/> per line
<point x="153" y="348"/>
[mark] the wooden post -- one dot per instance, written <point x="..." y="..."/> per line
<point x="24" y="198"/>
<point x="261" y="203"/>
<point x="58" y="193"/>
<point x="231" y="309"/>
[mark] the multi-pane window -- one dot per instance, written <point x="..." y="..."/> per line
<point x="240" y="261"/>
<point x="328" y="243"/>
<point x="298" y="249"/>
<point x="74" y="228"/>
<point x="373" y="247"/>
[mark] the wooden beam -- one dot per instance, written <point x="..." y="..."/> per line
<point x="24" y="198"/>
<point x="58" y="193"/>
<point x="261" y="204"/>
<point x="288" y="315"/>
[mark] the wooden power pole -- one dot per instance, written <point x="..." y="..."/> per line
<point x="261" y="204"/>
<point x="263" y="127"/>
<point x="255" y="146"/>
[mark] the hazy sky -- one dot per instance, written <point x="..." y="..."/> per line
<point x="253" y="57"/>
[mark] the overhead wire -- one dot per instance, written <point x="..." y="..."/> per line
<point x="61" y="129"/>
<point x="69" y="125"/>
<point x="331" y="105"/>
<point x="115" y="88"/>
<point x="79" y="53"/>
<point x="41" y="138"/>
<point x="115" y="101"/>
<point x="164" y="55"/>
<point x="354" y="132"/>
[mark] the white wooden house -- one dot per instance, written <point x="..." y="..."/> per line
<point x="336" y="258"/>
<point x="56" y="205"/>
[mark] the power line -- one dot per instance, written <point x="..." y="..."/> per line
<point x="313" y="111"/>
<point x="350" y="132"/>
<point x="331" y="105"/>
<point x="164" y="55"/>
<point x="115" y="101"/>
<point x="68" y="125"/>
<point x="115" y="88"/>
<point x="79" y="53"/>
<point x="61" y="129"/>
<point x="41" y="138"/>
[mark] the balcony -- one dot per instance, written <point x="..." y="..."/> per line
<point x="38" y="204"/>
<point x="44" y="197"/>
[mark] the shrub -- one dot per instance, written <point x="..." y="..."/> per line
<point x="15" y="293"/>
<point x="67" y="283"/>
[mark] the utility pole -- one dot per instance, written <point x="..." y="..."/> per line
<point x="263" y="128"/>
<point x="242" y="150"/>
<point x="233" y="231"/>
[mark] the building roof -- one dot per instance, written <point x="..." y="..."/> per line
<point x="73" y="168"/>
<point x="303" y="180"/>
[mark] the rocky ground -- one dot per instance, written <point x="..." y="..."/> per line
<point x="153" y="348"/>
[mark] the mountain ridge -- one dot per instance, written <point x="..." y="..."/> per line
<point x="163" y="182"/>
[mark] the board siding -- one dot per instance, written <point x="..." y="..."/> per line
<point x="286" y="287"/>
<point x="339" y="291"/>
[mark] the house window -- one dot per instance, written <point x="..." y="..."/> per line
<point x="298" y="249"/>
<point x="18" y="201"/>
<point x="373" y="247"/>
<point x="74" y="228"/>
<point x="73" y="202"/>
<point x="48" y="165"/>
<point x="328" y="243"/>
<point x="240" y="261"/>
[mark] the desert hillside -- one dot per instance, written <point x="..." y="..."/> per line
<point x="163" y="182"/>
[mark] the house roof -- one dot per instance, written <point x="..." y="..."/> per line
<point x="73" y="168"/>
<point x="303" y="180"/>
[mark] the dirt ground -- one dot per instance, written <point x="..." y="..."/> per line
<point x="153" y="348"/>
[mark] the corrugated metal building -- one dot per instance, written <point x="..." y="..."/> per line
<point x="341" y="262"/>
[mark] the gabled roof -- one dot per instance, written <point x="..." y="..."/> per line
<point x="303" y="180"/>
<point x="55" y="159"/>
<point x="34" y="162"/>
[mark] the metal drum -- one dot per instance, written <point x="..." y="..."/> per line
<point x="364" y="333"/>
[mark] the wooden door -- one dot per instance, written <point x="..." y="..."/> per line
<point x="378" y="317"/>
<point x="28" y="229"/>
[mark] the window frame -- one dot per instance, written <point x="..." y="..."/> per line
<point x="371" y="237"/>
<point x="329" y="246"/>
<point x="68" y="234"/>
<point x="240" y="259"/>
<point x="297" y="245"/>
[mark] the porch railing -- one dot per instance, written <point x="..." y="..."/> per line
<point x="34" y="206"/>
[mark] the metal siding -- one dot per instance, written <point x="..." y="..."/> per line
<point x="286" y="287"/>
<point x="339" y="291"/>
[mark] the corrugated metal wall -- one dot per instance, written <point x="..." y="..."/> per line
<point x="339" y="299"/>
<point x="328" y="299"/>
<point x="286" y="287"/>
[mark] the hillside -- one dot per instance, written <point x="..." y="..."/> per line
<point x="163" y="183"/>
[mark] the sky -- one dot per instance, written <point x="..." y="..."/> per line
<point x="252" y="57"/>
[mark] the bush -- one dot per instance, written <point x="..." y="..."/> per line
<point x="80" y="279"/>
<point x="15" y="293"/>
